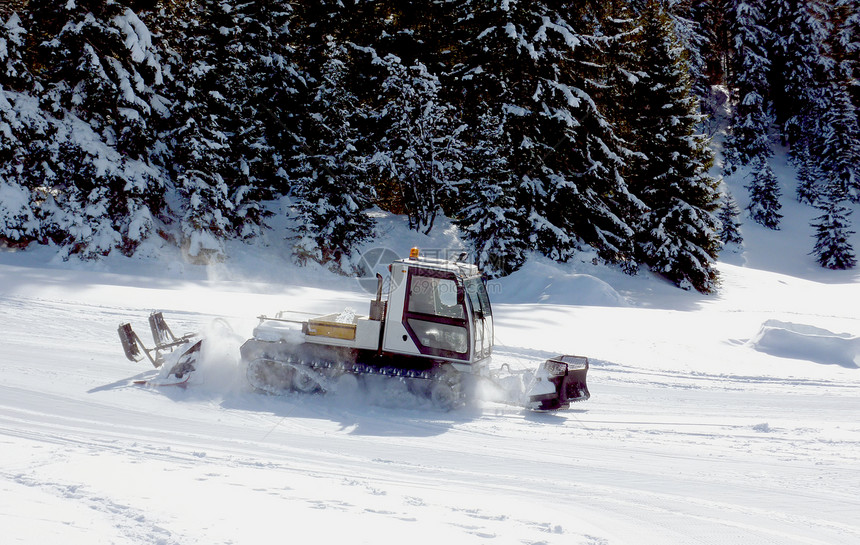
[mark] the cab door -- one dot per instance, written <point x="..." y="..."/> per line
<point x="482" y="317"/>
<point x="435" y="314"/>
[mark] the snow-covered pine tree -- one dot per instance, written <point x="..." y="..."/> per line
<point x="415" y="31"/>
<point x="588" y="193"/>
<point x="202" y="162"/>
<point x="275" y="99"/>
<point x="407" y="127"/>
<point x="837" y="144"/>
<point x="799" y="33"/>
<point x="85" y="217"/>
<point x="622" y="34"/>
<point x="748" y="133"/>
<point x="14" y="76"/>
<point x="730" y="229"/>
<point x="679" y="233"/>
<point x="420" y="152"/>
<point x="827" y="151"/>
<point x="764" y="192"/>
<point x="332" y="194"/>
<point x="14" y="73"/>
<point x="19" y="121"/>
<point x="494" y="214"/>
<point x="18" y="223"/>
<point x="223" y="163"/>
<point x="697" y="25"/>
<point x="100" y="64"/>
<point x="809" y="175"/>
<point x="498" y="199"/>
<point x="832" y="169"/>
<point x="97" y="64"/>
<point x="533" y="62"/>
<point x="261" y="75"/>
<point x="836" y="147"/>
<point x="711" y="18"/>
<point x="491" y="219"/>
<point x="833" y="248"/>
<point x="847" y="38"/>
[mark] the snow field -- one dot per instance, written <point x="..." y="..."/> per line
<point x="696" y="431"/>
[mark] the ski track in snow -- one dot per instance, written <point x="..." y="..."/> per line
<point x="658" y="455"/>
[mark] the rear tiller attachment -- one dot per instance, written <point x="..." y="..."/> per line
<point x="181" y="352"/>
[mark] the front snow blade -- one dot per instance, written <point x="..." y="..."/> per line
<point x="574" y="385"/>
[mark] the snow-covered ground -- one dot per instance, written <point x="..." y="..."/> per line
<point x="729" y="418"/>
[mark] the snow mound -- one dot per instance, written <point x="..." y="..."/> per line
<point x="546" y="283"/>
<point x="806" y="342"/>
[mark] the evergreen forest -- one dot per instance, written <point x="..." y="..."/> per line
<point x="537" y="126"/>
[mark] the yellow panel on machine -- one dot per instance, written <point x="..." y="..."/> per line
<point x="326" y="326"/>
